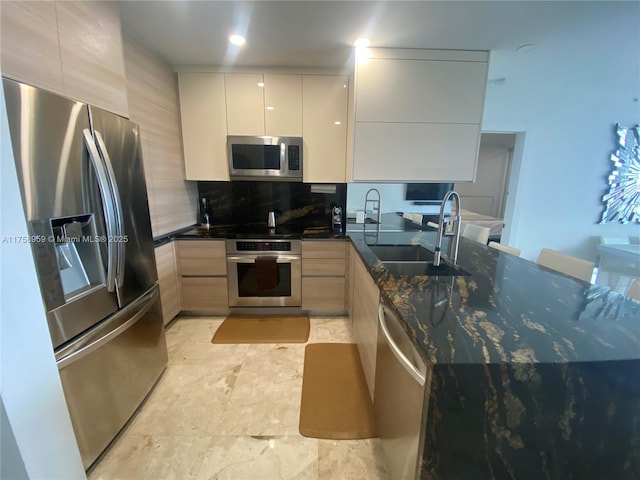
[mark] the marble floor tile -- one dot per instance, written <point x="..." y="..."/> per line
<point x="330" y="329"/>
<point x="261" y="458"/>
<point x="266" y="396"/>
<point x="188" y="400"/>
<point x="143" y="457"/>
<point x="351" y="460"/>
<point x="232" y="412"/>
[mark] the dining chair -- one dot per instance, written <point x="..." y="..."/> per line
<point x="505" y="248"/>
<point x="476" y="233"/>
<point x="634" y="290"/>
<point x="563" y="263"/>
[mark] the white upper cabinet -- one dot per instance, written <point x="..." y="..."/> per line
<point x="283" y="105"/>
<point x="418" y="115"/>
<point x="245" y="103"/>
<point x="324" y="127"/>
<point x="204" y="126"/>
<point x="269" y="104"/>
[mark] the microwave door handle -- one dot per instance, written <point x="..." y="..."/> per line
<point x="107" y="205"/>
<point x="120" y="233"/>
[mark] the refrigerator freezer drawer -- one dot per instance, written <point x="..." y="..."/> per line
<point x="106" y="376"/>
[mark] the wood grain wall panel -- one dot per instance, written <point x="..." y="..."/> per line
<point x="30" y="48"/>
<point x="154" y="105"/>
<point x="91" y="51"/>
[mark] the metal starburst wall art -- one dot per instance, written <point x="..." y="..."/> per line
<point x="622" y="202"/>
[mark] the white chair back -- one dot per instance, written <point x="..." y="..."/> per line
<point x="476" y="233"/>
<point x="572" y="266"/>
<point x="634" y="290"/>
<point x="505" y="248"/>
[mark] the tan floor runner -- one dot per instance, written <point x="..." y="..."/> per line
<point x="335" y="399"/>
<point x="263" y="329"/>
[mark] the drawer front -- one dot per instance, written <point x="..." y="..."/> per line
<point x="324" y="250"/>
<point x="205" y="257"/>
<point x="205" y="294"/>
<point x="324" y="267"/>
<point x="323" y="295"/>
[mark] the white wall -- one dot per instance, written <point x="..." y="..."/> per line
<point x="566" y="95"/>
<point x="30" y="387"/>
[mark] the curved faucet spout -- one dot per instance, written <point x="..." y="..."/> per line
<point x="442" y="228"/>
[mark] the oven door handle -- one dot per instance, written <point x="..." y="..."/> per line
<point x="253" y="258"/>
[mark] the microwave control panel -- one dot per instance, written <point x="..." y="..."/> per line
<point x="293" y="156"/>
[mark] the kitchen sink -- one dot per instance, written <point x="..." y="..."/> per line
<point x="401" y="253"/>
<point x="413" y="260"/>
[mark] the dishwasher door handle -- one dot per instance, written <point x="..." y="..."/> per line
<point x="416" y="374"/>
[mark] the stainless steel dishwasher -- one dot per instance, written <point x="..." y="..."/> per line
<point x="398" y="397"/>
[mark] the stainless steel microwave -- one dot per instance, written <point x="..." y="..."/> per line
<point x="265" y="158"/>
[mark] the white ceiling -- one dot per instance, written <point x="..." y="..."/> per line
<point x="320" y="33"/>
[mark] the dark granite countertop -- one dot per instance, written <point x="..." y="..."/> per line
<point x="534" y="374"/>
<point x="509" y="310"/>
<point x="221" y="232"/>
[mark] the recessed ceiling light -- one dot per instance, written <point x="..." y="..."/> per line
<point x="337" y="123"/>
<point x="270" y="108"/>
<point x="261" y="84"/>
<point x="237" y="40"/>
<point x="362" y="42"/>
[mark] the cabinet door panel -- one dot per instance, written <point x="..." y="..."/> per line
<point x="406" y="152"/>
<point x="30" y="48"/>
<point x="323" y="267"/>
<point x="324" y="126"/>
<point x="168" y="281"/>
<point x="322" y="250"/>
<point x="245" y="103"/>
<point x="204" y="125"/>
<point x="283" y="105"/>
<point x="323" y="294"/>
<point x="202" y="257"/>
<point x="205" y="294"/>
<point x="366" y="297"/>
<point x="400" y="90"/>
<point x="92" y="55"/>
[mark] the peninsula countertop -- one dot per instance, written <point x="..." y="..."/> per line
<point x="507" y="310"/>
<point x="534" y="374"/>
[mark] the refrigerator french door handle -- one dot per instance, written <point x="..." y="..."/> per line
<point x="87" y="345"/>
<point x="107" y="204"/>
<point x="119" y="240"/>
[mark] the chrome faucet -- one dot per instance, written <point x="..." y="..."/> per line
<point x="445" y="228"/>
<point x="375" y="202"/>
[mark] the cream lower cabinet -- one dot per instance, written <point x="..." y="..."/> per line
<point x="168" y="281"/>
<point x="203" y="269"/>
<point x="364" y="315"/>
<point x="323" y="276"/>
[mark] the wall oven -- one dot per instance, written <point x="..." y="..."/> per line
<point x="264" y="273"/>
<point x="265" y="158"/>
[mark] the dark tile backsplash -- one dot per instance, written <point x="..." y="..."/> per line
<point x="243" y="203"/>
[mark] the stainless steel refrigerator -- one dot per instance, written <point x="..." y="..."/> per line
<point x="85" y="201"/>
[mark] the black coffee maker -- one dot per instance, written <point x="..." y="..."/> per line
<point x="336" y="219"/>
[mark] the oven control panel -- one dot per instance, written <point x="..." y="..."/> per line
<point x="266" y="247"/>
<point x="258" y="246"/>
